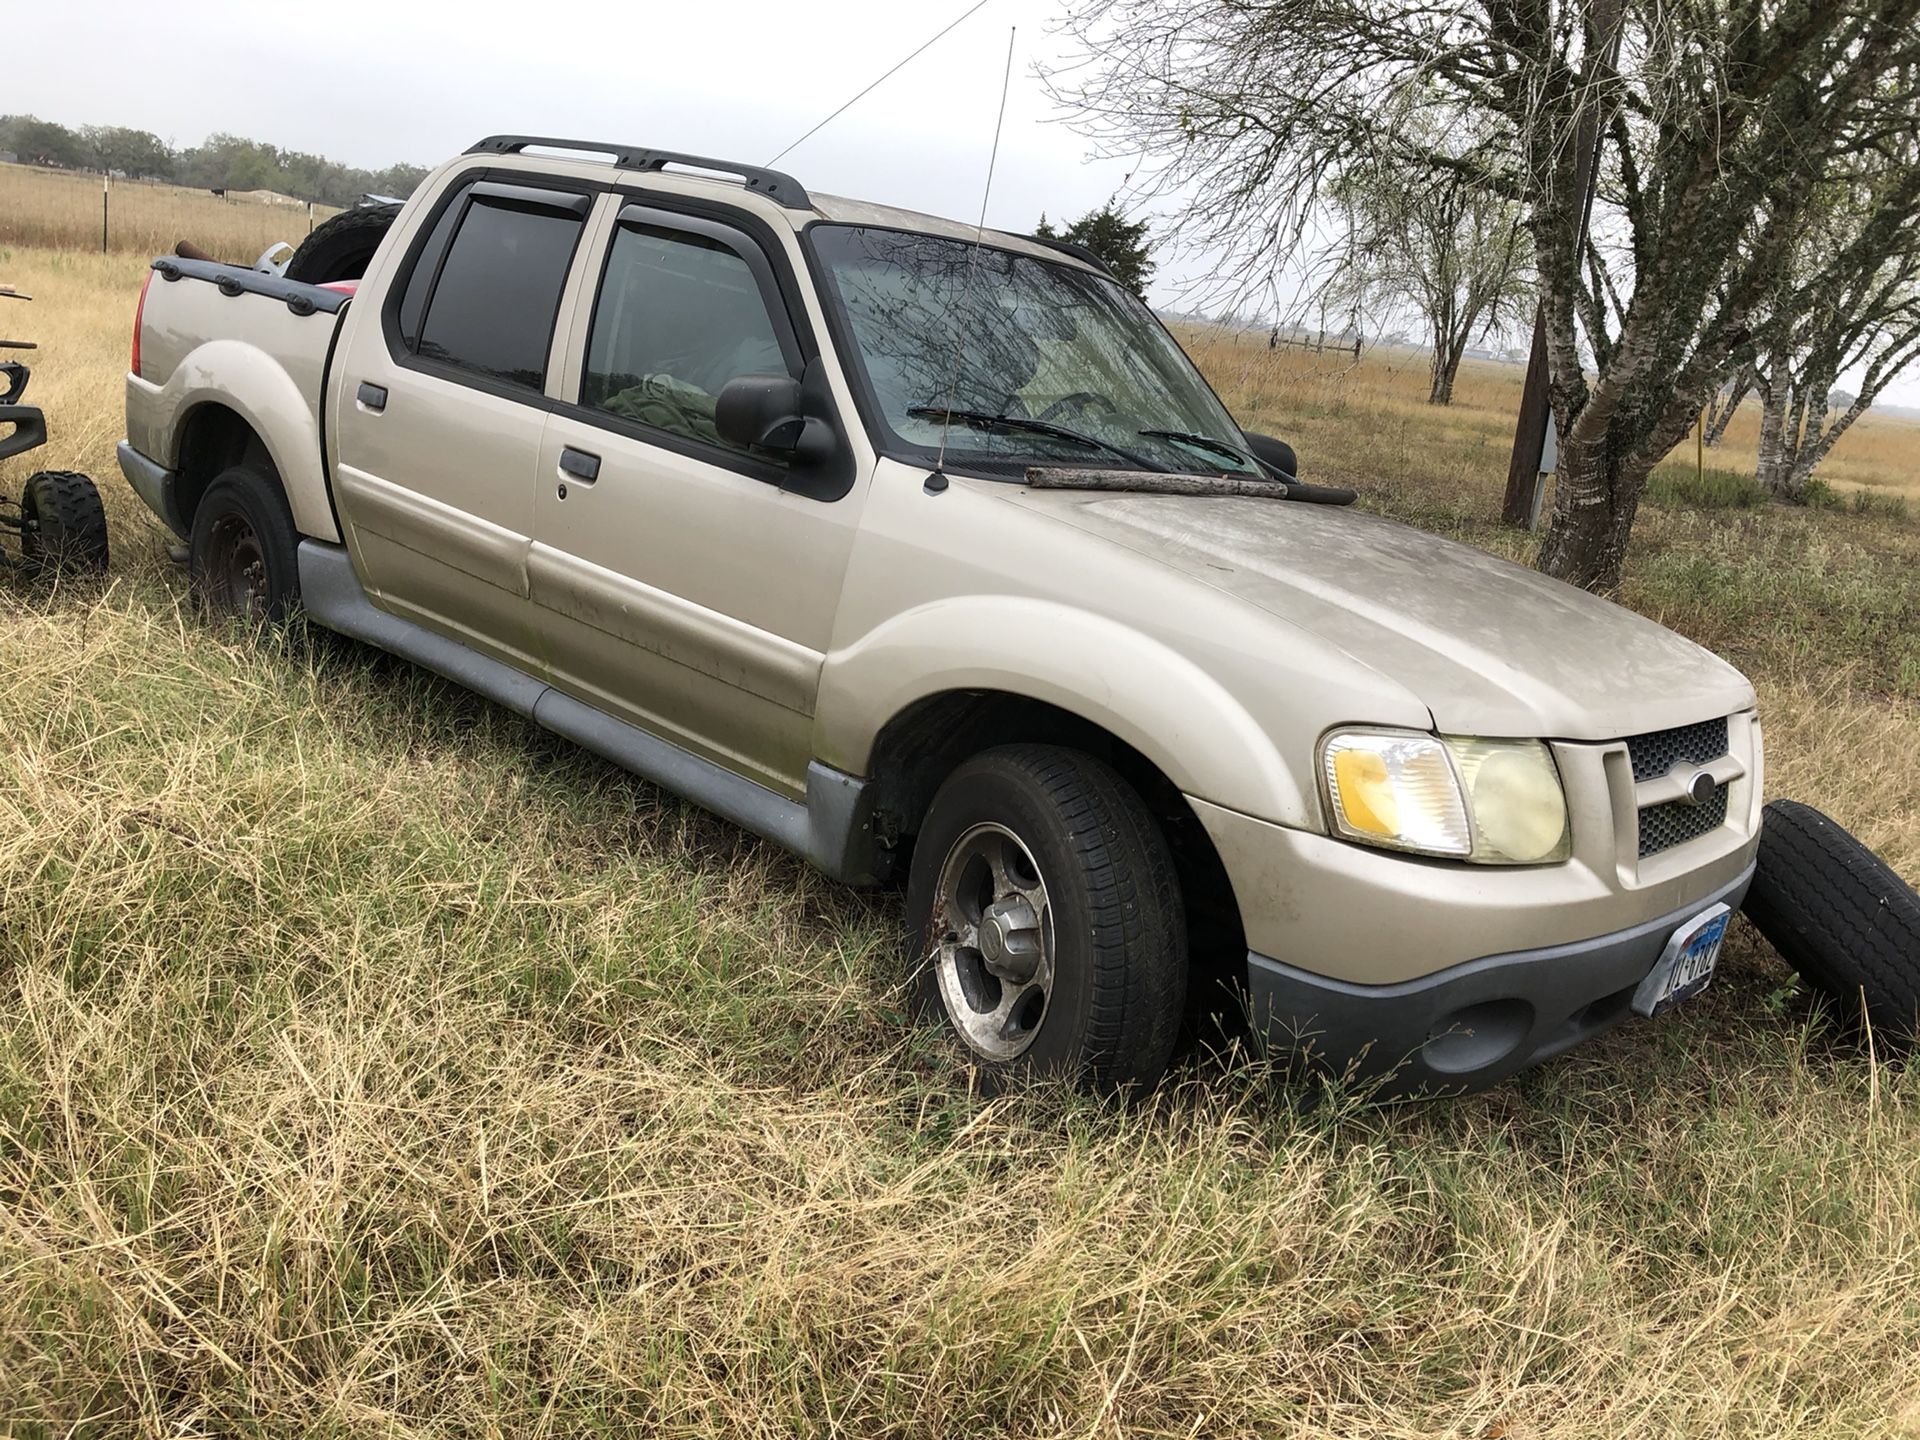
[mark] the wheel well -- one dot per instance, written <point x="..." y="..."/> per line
<point x="214" y="440"/>
<point x="925" y="743"/>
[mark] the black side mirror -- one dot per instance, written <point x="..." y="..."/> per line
<point x="763" y="412"/>
<point x="1274" y="454"/>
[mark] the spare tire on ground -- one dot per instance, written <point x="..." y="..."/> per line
<point x="342" y="248"/>
<point x="1842" y="918"/>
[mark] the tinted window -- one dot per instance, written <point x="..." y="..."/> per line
<point x="679" y="316"/>
<point x="493" y="309"/>
<point x="413" y="301"/>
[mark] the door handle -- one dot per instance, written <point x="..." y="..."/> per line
<point x="374" y="397"/>
<point x="580" y="465"/>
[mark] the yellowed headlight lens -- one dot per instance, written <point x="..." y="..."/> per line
<point x="1397" y="790"/>
<point x="1514" y="796"/>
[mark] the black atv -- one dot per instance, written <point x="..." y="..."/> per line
<point x="58" y="521"/>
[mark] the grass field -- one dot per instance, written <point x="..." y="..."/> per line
<point x="371" y="1063"/>
<point x="62" y="209"/>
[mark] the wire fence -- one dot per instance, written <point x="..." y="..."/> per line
<point x="71" y="210"/>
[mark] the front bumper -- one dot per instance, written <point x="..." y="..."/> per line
<point x="1469" y="1026"/>
<point x="153" y="483"/>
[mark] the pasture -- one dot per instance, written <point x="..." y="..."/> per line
<point x="61" y="209"/>
<point x="372" y="1063"/>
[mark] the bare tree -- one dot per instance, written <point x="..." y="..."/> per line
<point x="1708" y="124"/>
<point x="1851" y="302"/>
<point x="1440" y="244"/>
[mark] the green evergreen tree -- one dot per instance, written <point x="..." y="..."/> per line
<point x="1121" y="244"/>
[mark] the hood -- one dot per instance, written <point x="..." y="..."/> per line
<point x="1489" y="647"/>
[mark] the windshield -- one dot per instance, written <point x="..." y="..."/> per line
<point x="1037" y="361"/>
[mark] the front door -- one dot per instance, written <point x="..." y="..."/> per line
<point x="439" y="413"/>
<point x="681" y="584"/>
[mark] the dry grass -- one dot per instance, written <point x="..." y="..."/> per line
<point x="60" y="209"/>
<point x="372" y="1064"/>
<point x="1375" y="414"/>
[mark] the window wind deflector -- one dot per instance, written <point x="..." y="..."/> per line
<point x="561" y="202"/>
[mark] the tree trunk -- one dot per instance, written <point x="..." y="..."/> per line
<point x="1725" y="404"/>
<point x="1595" y="497"/>
<point x="1771" y="471"/>
<point x="1446" y="365"/>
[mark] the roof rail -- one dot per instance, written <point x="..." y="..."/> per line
<point x="782" y="189"/>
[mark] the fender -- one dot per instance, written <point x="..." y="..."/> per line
<point x="1134" y="687"/>
<point x="257" y="388"/>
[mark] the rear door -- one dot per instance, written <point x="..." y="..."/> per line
<point x="439" y="409"/>
<point x="683" y="584"/>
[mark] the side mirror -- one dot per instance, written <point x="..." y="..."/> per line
<point x="764" y="412"/>
<point x="1274" y="454"/>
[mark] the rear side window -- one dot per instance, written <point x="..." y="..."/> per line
<point x="497" y="294"/>
<point x="679" y="315"/>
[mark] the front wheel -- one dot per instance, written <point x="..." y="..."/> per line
<point x="240" y="557"/>
<point x="1047" y="928"/>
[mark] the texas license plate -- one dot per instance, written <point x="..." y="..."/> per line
<point x="1686" y="965"/>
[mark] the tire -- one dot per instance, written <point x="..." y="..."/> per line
<point x="343" y="247"/>
<point x="1839" y="916"/>
<point x="241" y="554"/>
<point x="1066" y="956"/>
<point x="66" y="525"/>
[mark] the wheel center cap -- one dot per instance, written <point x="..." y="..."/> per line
<point x="1010" y="940"/>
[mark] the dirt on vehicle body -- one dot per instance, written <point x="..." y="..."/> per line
<point x="730" y="483"/>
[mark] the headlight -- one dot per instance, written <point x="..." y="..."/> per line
<point x="1495" y="802"/>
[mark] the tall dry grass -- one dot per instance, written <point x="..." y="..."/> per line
<point x="1373" y="414"/>
<point x="372" y="1063"/>
<point x="60" y="209"/>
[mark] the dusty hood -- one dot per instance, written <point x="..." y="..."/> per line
<point x="1489" y="647"/>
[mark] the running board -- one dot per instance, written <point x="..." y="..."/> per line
<point x="833" y="829"/>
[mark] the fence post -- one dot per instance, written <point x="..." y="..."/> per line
<point x="104" y="183"/>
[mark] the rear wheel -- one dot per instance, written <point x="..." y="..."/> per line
<point x="64" y="525"/>
<point x="241" y="556"/>
<point x="1842" y="918"/>
<point x="343" y="247"/>
<point x="1047" y="927"/>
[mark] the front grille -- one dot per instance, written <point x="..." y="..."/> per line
<point x="1656" y="753"/>
<point x="1664" y="826"/>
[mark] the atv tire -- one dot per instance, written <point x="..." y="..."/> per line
<point x="343" y="247"/>
<point x="66" y="525"/>
<point x="1842" y="918"/>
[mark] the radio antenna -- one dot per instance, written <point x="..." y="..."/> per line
<point x="955" y="25"/>
<point x="973" y="255"/>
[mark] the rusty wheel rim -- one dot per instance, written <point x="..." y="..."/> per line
<point x="236" y="570"/>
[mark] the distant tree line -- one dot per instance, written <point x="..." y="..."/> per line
<point x="220" y="162"/>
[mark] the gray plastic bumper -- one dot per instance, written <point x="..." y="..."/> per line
<point x="1471" y="1026"/>
<point x="153" y="483"/>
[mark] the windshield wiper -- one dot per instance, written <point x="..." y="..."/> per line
<point x="1206" y="442"/>
<point x="981" y="420"/>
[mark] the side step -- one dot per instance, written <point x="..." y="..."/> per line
<point x="833" y="829"/>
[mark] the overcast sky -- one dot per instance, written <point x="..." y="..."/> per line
<point x="418" y="80"/>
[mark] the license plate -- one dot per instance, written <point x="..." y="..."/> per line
<point x="1686" y="965"/>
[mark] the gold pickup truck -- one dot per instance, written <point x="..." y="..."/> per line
<point x="925" y="551"/>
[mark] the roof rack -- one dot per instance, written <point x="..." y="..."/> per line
<point x="782" y="189"/>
